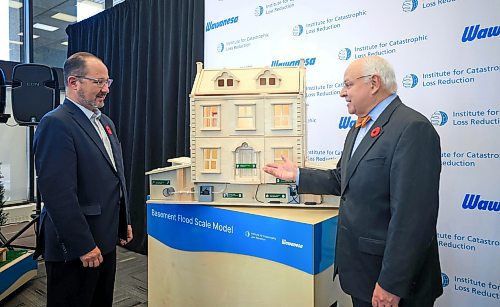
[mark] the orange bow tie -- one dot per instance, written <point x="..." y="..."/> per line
<point x="361" y="122"/>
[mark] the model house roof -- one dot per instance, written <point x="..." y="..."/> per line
<point x="244" y="81"/>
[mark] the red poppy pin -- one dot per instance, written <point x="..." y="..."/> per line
<point x="111" y="132"/>
<point x="375" y="132"/>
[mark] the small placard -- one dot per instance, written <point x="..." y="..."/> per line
<point x="275" y="195"/>
<point x="248" y="165"/>
<point x="232" y="195"/>
<point x="284" y="181"/>
<point x="160" y="182"/>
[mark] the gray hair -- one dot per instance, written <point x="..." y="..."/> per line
<point x="375" y="65"/>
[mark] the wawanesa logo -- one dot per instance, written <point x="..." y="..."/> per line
<point x="217" y="24"/>
<point x="473" y="32"/>
<point x="307" y="61"/>
<point x="292" y="244"/>
<point x="473" y="201"/>
<point x="346" y="122"/>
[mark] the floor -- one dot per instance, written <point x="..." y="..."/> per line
<point x="131" y="288"/>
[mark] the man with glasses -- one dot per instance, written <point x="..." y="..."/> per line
<point x="81" y="181"/>
<point x="388" y="183"/>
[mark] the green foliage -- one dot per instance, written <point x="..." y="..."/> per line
<point x="3" y="215"/>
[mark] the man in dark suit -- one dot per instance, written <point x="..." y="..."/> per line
<point x="388" y="182"/>
<point x="81" y="180"/>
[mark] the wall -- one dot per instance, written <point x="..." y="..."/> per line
<point x="445" y="70"/>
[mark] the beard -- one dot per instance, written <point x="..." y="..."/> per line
<point x="91" y="103"/>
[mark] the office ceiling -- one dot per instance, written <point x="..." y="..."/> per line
<point x="43" y="10"/>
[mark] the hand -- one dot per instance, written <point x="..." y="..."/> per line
<point x="130" y="236"/>
<point x="92" y="259"/>
<point x="286" y="170"/>
<point x="382" y="298"/>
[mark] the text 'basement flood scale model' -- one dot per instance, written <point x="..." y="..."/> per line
<point x="241" y="119"/>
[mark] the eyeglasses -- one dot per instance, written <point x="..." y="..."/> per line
<point x="349" y="84"/>
<point x="99" y="82"/>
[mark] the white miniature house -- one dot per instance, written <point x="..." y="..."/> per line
<point x="172" y="182"/>
<point x="242" y="119"/>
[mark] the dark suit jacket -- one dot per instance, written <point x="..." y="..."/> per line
<point x="79" y="187"/>
<point x="389" y="205"/>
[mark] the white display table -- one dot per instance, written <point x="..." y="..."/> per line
<point x="240" y="256"/>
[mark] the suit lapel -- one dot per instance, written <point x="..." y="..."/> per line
<point x="368" y="141"/>
<point x="113" y="140"/>
<point x="87" y="126"/>
<point x="346" y="154"/>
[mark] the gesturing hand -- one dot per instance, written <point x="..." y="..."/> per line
<point x="92" y="259"/>
<point x="286" y="170"/>
<point x="382" y="298"/>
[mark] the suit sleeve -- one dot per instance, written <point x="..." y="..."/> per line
<point x="414" y="190"/>
<point x="56" y="163"/>
<point x="314" y="181"/>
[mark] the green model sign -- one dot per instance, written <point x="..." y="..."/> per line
<point x="160" y="182"/>
<point x="284" y="181"/>
<point x="232" y="195"/>
<point x="248" y="165"/>
<point x="275" y="195"/>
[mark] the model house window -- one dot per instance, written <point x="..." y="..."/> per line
<point x="211" y="117"/>
<point x="281" y="151"/>
<point x="211" y="159"/>
<point x="268" y="79"/>
<point x="282" y="116"/>
<point x="246" y="161"/>
<point x="226" y="80"/>
<point x="246" y="117"/>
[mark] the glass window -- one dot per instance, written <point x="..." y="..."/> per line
<point x="226" y="80"/>
<point x="50" y="19"/>
<point x="246" y="117"/>
<point x="268" y="79"/>
<point x="211" y="117"/>
<point x="11" y="24"/>
<point x="211" y="159"/>
<point x="246" y="162"/>
<point x="281" y="116"/>
<point x="281" y="151"/>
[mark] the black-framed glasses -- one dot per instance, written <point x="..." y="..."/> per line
<point x="99" y="82"/>
<point x="349" y="84"/>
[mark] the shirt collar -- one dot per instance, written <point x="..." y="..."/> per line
<point x="86" y="111"/>
<point x="379" y="108"/>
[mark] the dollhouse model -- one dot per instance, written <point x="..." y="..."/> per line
<point x="241" y="119"/>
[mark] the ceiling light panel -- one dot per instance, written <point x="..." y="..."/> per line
<point x="45" y="27"/>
